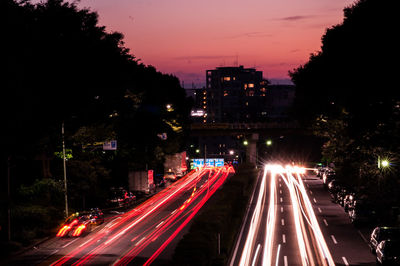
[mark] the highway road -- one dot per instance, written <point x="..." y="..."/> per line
<point x="139" y="236"/>
<point x="291" y="221"/>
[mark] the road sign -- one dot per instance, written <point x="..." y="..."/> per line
<point x="110" y="145"/>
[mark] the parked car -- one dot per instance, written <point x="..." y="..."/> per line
<point x="328" y="176"/>
<point x="333" y="187"/>
<point x="348" y="200"/>
<point x="120" y="197"/>
<point x="388" y="252"/>
<point x="383" y="233"/>
<point x="340" y="195"/>
<point x="170" y="176"/>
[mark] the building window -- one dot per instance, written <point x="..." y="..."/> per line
<point x="227" y="79"/>
<point x="263" y="90"/>
<point x="250" y="93"/>
<point x="251" y="85"/>
<point x="247" y="103"/>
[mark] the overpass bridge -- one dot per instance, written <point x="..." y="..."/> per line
<point x="221" y="137"/>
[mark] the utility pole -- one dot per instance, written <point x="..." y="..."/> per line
<point x="65" y="172"/>
<point x="9" y="199"/>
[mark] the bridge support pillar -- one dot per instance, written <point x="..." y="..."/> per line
<point x="251" y="151"/>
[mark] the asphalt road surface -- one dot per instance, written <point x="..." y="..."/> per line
<point x="291" y="220"/>
<point x="142" y="236"/>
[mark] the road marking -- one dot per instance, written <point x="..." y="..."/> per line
<point x="277" y="255"/>
<point x="345" y="261"/>
<point x="280" y="185"/>
<point x="314" y="200"/>
<point x="280" y="191"/>
<point x="140" y="241"/>
<point x="281" y="199"/>
<point x="319" y="209"/>
<point x="283" y="222"/>
<point x="85" y="242"/>
<point x="159" y="224"/>
<point x="256" y="255"/>
<point x="308" y="185"/>
<point x="54" y="252"/>
<point x="66" y="245"/>
<point x="333" y="239"/>
<point x="283" y="238"/>
<point x="362" y="236"/>
<point x="174" y="211"/>
<point x="310" y="192"/>
<point x="325" y="222"/>
<point x="285" y="263"/>
<point x="281" y="209"/>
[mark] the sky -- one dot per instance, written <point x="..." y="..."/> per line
<point x="186" y="37"/>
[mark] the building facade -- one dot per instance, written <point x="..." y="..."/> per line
<point x="235" y="94"/>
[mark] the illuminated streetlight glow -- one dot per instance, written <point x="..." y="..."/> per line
<point x="245" y="143"/>
<point x="385" y="163"/>
<point x="269" y="142"/>
<point x="231" y="152"/>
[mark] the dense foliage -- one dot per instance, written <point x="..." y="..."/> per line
<point x="62" y="67"/>
<point x="347" y="94"/>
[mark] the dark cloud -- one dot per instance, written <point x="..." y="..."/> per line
<point x="295" y="18"/>
<point x="203" y="57"/>
<point x="254" y="34"/>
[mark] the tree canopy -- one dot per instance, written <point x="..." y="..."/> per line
<point x="347" y="93"/>
<point x="62" y="67"/>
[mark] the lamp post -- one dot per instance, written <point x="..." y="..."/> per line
<point x="65" y="171"/>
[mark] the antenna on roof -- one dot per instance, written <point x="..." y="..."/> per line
<point x="236" y="62"/>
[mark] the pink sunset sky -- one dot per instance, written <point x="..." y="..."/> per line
<point x="186" y="37"/>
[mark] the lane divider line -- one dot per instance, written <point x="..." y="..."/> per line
<point x="325" y="222"/>
<point x="334" y="239"/>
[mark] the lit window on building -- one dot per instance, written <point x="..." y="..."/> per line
<point x="204" y="92"/>
<point x="247" y="103"/>
<point x="234" y="78"/>
<point x="251" y="93"/>
<point x="226" y="93"/>
<point x="263" y="89"/>
<point x="251" y="85"/>
<point x="245" y="86"/>
<point x="227" y="78"/>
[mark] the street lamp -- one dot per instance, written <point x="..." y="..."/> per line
<point x="269" y="142"/>
<point x="65" y="171"/>
<point x="231" y="152"/>
<point x="245" y="143"/>
<point x="169" y="107"/>
<point x="385" y="163"/>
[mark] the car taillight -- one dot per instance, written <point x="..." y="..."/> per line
<point x="63" y="231"/>
<point x="78" y="231"/>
